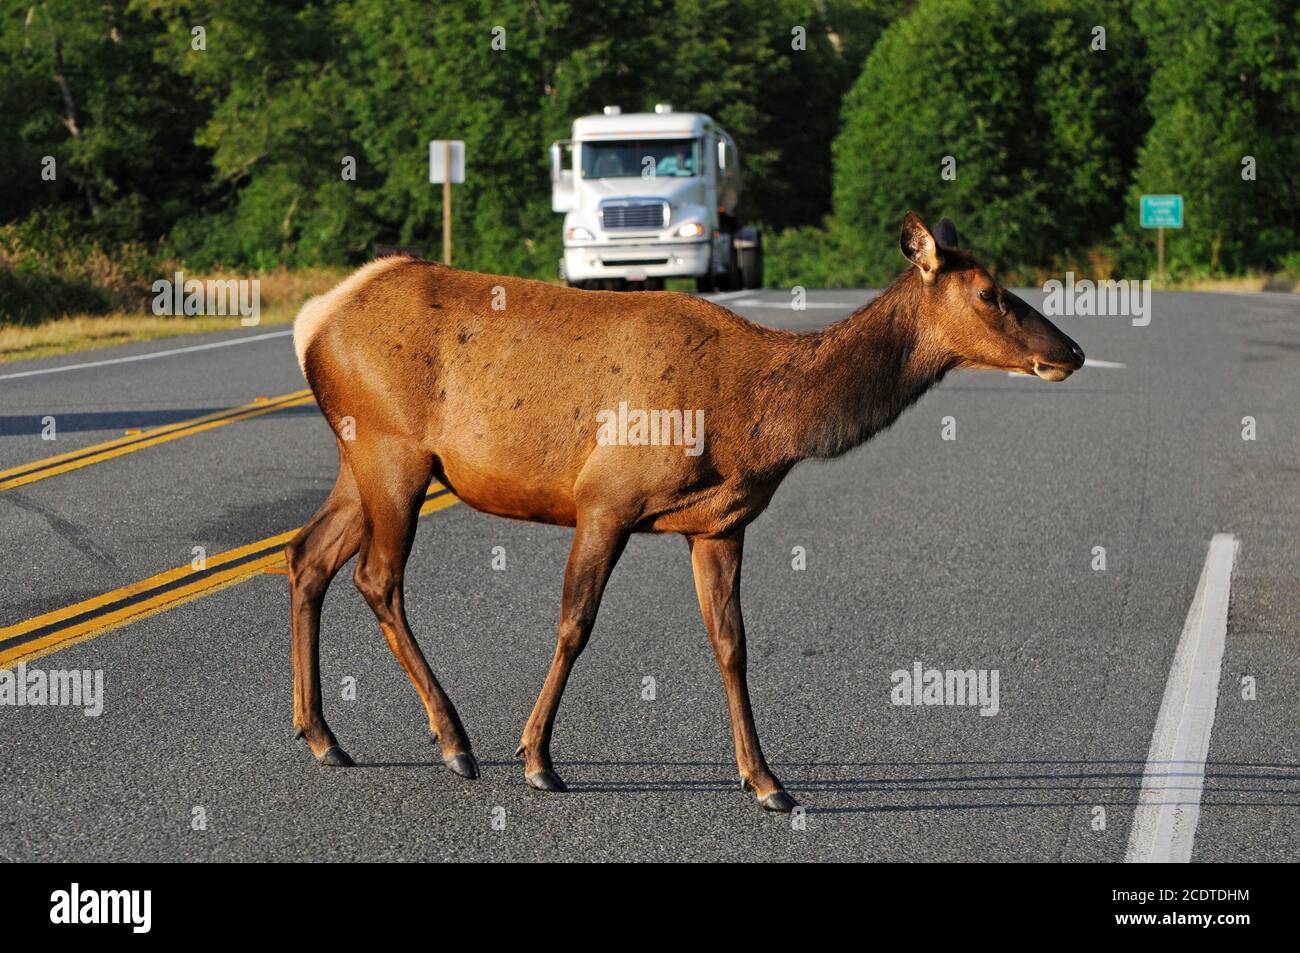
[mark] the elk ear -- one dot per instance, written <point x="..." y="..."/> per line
<point x="946" y="233"/>
<point x="919" y="247"/>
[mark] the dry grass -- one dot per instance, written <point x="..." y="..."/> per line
<point x="282" y="292"/>
<point x="1248" y="283"/>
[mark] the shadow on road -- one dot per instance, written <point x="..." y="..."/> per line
<point x="897" y="780"/>
<point x="21" y="425"/>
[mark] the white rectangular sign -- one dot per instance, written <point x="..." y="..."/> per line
<point x="437" y="161"/>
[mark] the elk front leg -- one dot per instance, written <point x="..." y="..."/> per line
<point x="717" y="584"/>
<point x="598" y="541"/>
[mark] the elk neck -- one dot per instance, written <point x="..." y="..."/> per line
<point x="856" y="376"/>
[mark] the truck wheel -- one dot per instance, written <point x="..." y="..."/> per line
<point x="729" y="278"/>
<point x="732" y="280"/>
<point x="704" y="284"/>
<point x="749" y="251"/>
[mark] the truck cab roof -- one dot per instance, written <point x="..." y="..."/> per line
<point x="672" y="125"/>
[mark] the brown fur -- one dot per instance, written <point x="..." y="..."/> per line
<point x="501" y="406"/>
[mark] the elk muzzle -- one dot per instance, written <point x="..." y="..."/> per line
<point x="1050" y="354"/>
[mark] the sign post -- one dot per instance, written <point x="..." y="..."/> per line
<point x="1161" y="212"/>
<point x="446" y="165"/>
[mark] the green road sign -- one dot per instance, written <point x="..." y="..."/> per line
<point x="1162" y="211"/>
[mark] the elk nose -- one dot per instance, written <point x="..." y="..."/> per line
<point x="1076" y="352"/>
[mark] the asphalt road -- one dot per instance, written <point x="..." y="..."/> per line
<point x="973" y="553"/>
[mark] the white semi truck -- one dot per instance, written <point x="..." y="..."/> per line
<point x="649" y="196"/>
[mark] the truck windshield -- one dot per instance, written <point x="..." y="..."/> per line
<point x="641" y="157"/>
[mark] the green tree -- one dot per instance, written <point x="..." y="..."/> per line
<point x="84" y="84"/>
<point x="295" y="87"/>
<point x="1225" y="86"/>
<point x="1033" y="126"/>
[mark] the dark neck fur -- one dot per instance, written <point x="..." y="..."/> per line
<point x="862" y="372"/>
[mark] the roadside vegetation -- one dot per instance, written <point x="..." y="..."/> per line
<point x="65" y="295"/>
<point x="157" y="136"/>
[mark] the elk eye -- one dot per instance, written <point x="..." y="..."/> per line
<point x="987" y="295"/>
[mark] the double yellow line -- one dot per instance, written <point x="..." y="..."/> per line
<point x="98" y="453"/>
<point x="43" y="634"/>
<point x="89" y="618"/>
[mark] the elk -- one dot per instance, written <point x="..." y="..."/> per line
<point x="501" y="407"/>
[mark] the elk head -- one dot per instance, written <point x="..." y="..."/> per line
<point x="979" y="323"/>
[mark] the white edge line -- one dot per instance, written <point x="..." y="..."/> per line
<point x="1169" y="804"/>
<point x="1292" y="296"/>
<point x="147" y="357"/>
<point x="1088" y="362"/>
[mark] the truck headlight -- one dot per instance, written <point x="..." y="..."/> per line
<point x="578" y="234"/>
<point x="690" y="230"/>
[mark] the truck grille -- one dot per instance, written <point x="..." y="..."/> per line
<point x="633" y="215"/>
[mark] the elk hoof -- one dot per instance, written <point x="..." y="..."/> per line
<point x="336" y="757"/>
<point x="546" y="780"/>
<point x="466" y="765"/>
<point x="778" y="801"/>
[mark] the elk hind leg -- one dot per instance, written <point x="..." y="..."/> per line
<point x="393" y="476"/>
<point x="327" y="541"/>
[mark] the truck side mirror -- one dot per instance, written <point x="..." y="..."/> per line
<point x="557" y="162"/>
<point x="562" y="195"/>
